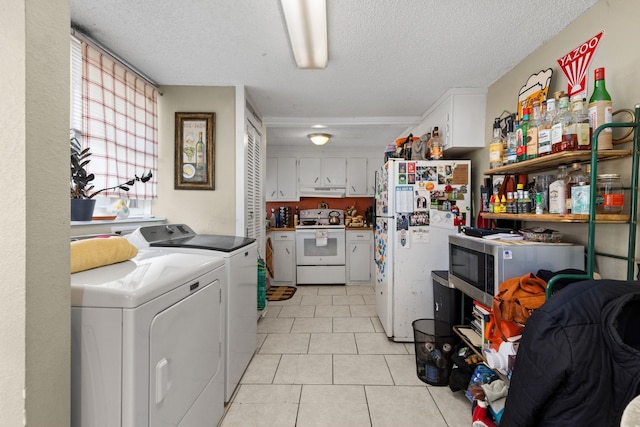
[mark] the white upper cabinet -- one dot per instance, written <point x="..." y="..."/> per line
<point x="328" y="171"/>
<point x="373" y="165"/>
<point x="335" y="171"/>
<point x="460" y="116"/>
<point x="357" y="177"/>
<point x="310" y="171"/>
<point x="281" y="179"/>
<point x="361" y="175"/>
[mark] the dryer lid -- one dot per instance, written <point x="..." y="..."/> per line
<point x="183" y="236"/>
<point x="148" y="275"/>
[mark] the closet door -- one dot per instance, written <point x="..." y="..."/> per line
<point x="255" y="212"/>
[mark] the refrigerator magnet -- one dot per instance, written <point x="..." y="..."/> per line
<point x="403" y="239"/>
<point x="419" y="235"/>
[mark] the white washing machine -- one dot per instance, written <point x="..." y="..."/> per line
<point x="146" y="342"/>
<point x="241" y="296"/>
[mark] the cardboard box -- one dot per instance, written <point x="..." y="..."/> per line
<point x="580" y="199"/>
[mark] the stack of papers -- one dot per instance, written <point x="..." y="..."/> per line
<point x="504" y="236"/>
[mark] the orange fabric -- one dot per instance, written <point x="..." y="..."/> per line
<point x="517" y="298"/>
<point x="497" y="332"/>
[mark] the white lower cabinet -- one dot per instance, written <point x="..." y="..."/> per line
<point x="359" y="256"/>
<point x="284" y="257"/>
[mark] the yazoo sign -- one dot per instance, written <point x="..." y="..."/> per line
<point x="575" y="64"/>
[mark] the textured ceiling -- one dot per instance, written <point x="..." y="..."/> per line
<point x="389" y="60"/>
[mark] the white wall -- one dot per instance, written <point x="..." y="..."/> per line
<point x="209" y="212"/>
<point x="619" y="55"/>
<point x="34" y="255"/>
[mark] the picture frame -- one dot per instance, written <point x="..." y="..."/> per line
<point x="194" y="151"/>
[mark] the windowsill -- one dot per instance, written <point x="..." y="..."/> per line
<point x="119" y="221"/>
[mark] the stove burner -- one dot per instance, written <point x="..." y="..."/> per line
<point x="320" y="217"/>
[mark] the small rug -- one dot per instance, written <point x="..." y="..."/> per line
<point x="280" y="293"/>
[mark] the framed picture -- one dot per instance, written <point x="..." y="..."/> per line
<point x="195" y="148"/>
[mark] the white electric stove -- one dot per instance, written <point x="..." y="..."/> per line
<point x="320" y="247"/>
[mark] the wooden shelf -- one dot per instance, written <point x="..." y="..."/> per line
<point x="553" y="160"/>
<point x="600" y="218"/>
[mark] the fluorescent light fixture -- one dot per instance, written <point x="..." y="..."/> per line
<point x="319" y="138"/>
<point x="307" y="26"/>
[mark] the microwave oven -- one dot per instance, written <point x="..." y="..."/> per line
<point x="477" y="266"/>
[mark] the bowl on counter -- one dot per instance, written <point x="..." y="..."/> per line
<point x="539" y="234"/>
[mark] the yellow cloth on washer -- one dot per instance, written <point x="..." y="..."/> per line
<point x="98" y="252"/>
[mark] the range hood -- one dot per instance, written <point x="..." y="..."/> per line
<point x="328" y="192"/>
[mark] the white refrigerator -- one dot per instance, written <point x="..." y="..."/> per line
<point x="418" y="204"/>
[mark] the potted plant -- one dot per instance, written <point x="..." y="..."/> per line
<point x="82" y="202"/>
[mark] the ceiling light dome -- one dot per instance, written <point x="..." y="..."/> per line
<point x="319" y="138"/>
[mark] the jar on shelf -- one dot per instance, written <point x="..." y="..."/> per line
<point x="609" y="194"/>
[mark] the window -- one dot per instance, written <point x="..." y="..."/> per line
<point x="114" y="112"/>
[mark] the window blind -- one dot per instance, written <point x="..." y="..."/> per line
<point x="119" y="117"/>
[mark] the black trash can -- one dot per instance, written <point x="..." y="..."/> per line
<point x="447" y="299"/>
<point x="434" y="342"/>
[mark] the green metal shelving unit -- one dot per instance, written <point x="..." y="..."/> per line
<point x="633" y="220"/>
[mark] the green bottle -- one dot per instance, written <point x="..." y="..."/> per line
<point x="601" y="110"/>
<point x="521" y="136"/>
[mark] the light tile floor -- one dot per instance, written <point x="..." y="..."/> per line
<point x="323" y="359"/>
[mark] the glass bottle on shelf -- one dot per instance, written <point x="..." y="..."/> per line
<point x="519" y="198"/>
<point x="562" y="127"/>
<point x="583" y="129"/>
<point x="512" y="142"/>
<point x="539" y="204"/>
<point x="609" y="194"/>
<point x="576" y="176"/>
<point x="558" y="192"/>
<point x="496" y="146"/>
<point x="532" y="131"/>
<point x="272" y="219"/>
<point x="511" y="203"/>
<point x="544" y="129"/>
<point x="521" y="136"/>
<point x="542" y="183"/>
<point x="601" y="110"/>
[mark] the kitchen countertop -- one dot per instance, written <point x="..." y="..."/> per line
<point x="281" y="229"/>
<point x="269" y="230"/>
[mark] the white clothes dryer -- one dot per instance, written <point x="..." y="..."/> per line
<point x="146" y="342"/>
<point x="241" y="292"/>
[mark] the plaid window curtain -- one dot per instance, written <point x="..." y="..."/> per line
<point x="119" y="124"/>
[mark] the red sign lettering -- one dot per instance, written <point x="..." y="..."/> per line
<point x="575" y="64"/>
